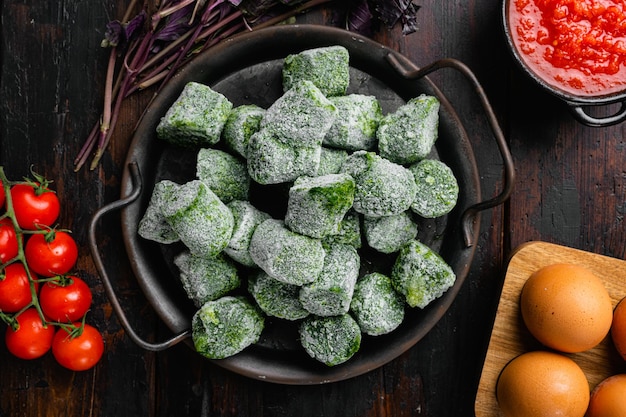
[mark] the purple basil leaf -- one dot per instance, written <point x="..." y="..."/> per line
<point x="118" y="33"/>
<point x="359" y="18"/>
<point x="136" y="23"/>
<point x="176" y="24"/>
<point x="409" y="19"/>
<point x="390" y="12"/>
<point x="113" y="34"/>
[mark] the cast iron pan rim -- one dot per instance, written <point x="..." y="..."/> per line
<point x="298" y="37"/>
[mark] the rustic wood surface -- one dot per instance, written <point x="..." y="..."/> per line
<point x="570" y="190"/>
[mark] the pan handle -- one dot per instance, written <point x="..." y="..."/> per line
<point x="467" y="218"/>
<point x="119" y="311"/>
<point x="579" y="112"/>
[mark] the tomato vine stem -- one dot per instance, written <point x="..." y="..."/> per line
<point x="11" y="319"/>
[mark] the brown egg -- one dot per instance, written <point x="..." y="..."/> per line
<point x="618" y="328"/>
<point x="542" y="384"/>
<point x="566" y="307"/>
<point x="608" y="398"/>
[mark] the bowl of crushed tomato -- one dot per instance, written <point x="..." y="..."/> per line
<point x="574" y="49"/>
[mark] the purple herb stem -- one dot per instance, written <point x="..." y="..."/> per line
<point x="85" y="150"/>
<point x="211" y="29"/>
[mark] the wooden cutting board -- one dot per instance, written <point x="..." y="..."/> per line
<point x="509" y="337"/>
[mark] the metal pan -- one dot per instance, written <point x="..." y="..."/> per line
<point x="579" y="105"/>
<point x="247" y="69"/>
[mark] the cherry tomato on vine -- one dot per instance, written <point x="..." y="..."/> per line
<point x="66" y="300"/>
<point x="8" y="241"/>
<point x="32" y="339"/>
<point x="15" y="292"/>
<point x="78" y="352"/>
<point x="34" y="205"/>
<point x="50" y="254"/>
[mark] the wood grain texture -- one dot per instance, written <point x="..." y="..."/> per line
<point x="510" y="338"/>
<point x="570" y="190"/>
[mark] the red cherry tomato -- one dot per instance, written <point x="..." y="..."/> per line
<point x="65" y="301"/>
<point x="80" y="352"/>
<point x="51" y="254"/>
<point x="8" y="241"/>
<point x="32" y="339"/>
<point x="34" y="205"/>
<point x="15" y="292"/>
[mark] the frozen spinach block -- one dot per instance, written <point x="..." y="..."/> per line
<point x="196" y="118"/>
<point x="226" y="326"/>
<point x="203" y="223"/>
<point x="271" y="161"/>
<point x="247" y="218"/>
<point x="330" y="340"/>
<point x="317" y="205"/>
<point x="153" y="225"/>
<point x="358" y="117"/>
<point x="206" y="279"/>
<point x="326" y="67"/>
<point x="408" y="134"/>
<point x="284" y="255"/>
<point x="388" y="234"/>
<point x="331" y="161"/>
<point x="383" y="188"/>
<point x="243" y="122"/>
<point x="226" y="175"/>
<point x="420" y="274"/>
<point x="437" y="188"/>
<point x="301" y="116"/>
<point x="331" y="292"/>
<point x="305" y="214"/>
<point x="349" y="232"/>
<point x="276" y="298"/>
<point x="376" y="306"/>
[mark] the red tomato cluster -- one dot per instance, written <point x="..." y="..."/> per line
<point x="44" y="304"/>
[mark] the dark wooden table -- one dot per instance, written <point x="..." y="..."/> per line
<point x="570" y="189"/>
